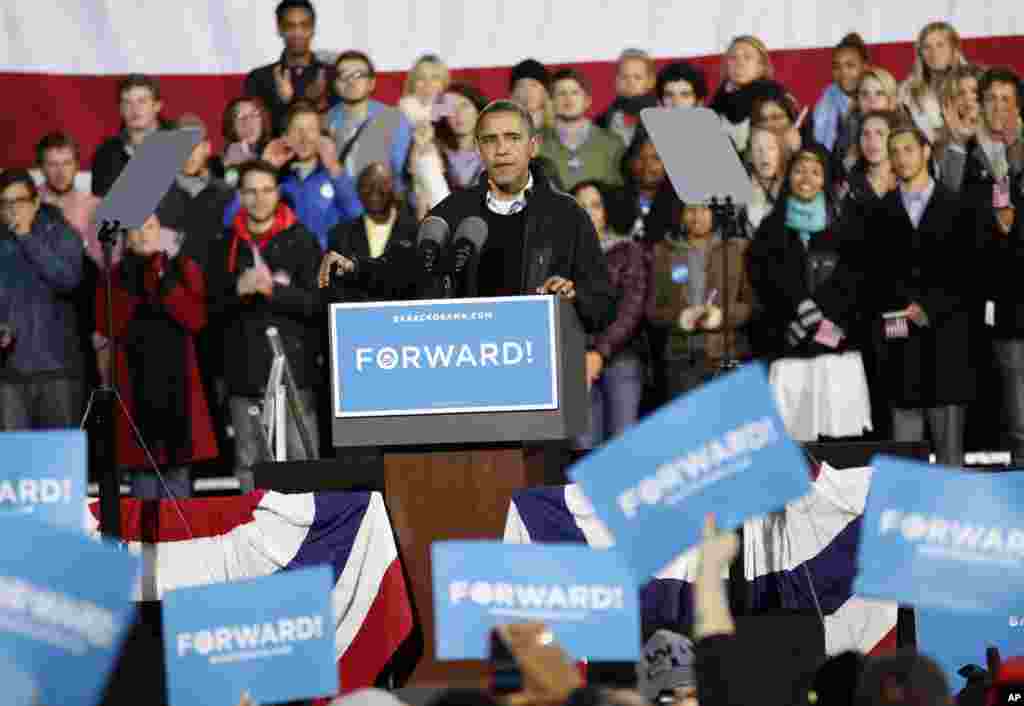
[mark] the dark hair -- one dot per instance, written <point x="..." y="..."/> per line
<point x="761" y="101"/>
<point x="300" y="107"/>
<point x="231" y="114"/>
<point x="462" y="697"/>
<point x="855" y="42"/>
<point x="285" y="5"/>
<point x="682" y="71"/>
<point x="640" y="138"/>
<point x="356" y="55"/>
<point x="470" y="92"/>
<point x="999" y="74"/>
<point x="256" y="165"/>
<point x="19" y="176"/>
<point x="139" y="81"/>
<point x="821" y="155"/>
<point x="54" y="141"/>
<point x="503" y="105"/>
<point x="571" y="74"/>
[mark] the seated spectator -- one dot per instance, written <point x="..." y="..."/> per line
<point x="779" y="113"/>
<point x="581" y="150"/>
<point x="57" y="156"/>
<point x="923" y="302"/>
<point x="746" y="74"/>
<point x="767" y="160"/>
<point x="614" y="358"/>
<point x="849" y="59"/>
<point x="643" y="174"/>
<point x="444" y="156"/>
<point x="936" y="51"/>
<point x="634" y="91"/>
<point x="876" y="91"/>
<point x="265" y="275"/>
<point x="314" y="182"/>
<point x="529" y="87"/>
<point x="689" y="297"/>
<point x="373" y="258"/>
<point x="807" y="282"/>
<point x="159" y="297"/>
<point x="681" y="85"/>
<point x="140" y="107"/>
<point x="246" y="129"/>
<point x="40" y="267"/>
<point x="298" y="74"/>
<point x="427" y="80"/>
<point x="357" y="79"/>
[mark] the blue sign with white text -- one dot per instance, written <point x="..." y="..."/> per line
<point x="943" y="537"/>
<point x="44" y="475"/>
<point x="955" y="640"/>
<point x="272" y="637"/>
<point x="720" y="449"/>
<point x="588" y="597"/>
<point x="65" y="608"/>
<point x="444" y="356"/>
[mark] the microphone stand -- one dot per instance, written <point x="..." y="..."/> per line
<point x="727" y="216"/>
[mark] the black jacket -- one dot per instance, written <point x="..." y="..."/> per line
<point x="935" y="266"/>
<point x="1003" y="264"/>
<point x="200" y="218"/>
<point x="107" y="164"/>
<point x="559" y="239"/>
<point x="392" y="276"/>
<point x="291" y="309"/>
<point x="260" y="83"/>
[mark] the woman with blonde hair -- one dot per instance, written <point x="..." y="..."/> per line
<point x="937" y="51"/>
<point x="877" y="92"/>
<point x="746" y="75"/>
<point x="426" y="81"/>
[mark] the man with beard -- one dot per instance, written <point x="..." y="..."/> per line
<point x="579" y="149"/>
<point x="357" y="79"/>
<point x="922" y="297"/>
<point x="298" y="74"/>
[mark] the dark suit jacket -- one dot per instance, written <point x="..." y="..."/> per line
<point x="392" y="276"/>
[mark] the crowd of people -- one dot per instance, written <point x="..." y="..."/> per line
<point x="873" y="269"/>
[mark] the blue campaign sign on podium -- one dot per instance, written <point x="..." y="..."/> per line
<point x="44" y="476"/>
<point x="721" y="449"/>
<point x="444" y="356"/>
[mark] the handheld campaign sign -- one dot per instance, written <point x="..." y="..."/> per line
<point x="588" y="597"/>
<point x="720" y="449"/>
<point x="955" y="640"/>
<point x="272" y="637"/>
<point x="65" y="607"/>
<point x="444" y="356"/>
<point x="44" y="475"/>
<point x="943" y="538"/>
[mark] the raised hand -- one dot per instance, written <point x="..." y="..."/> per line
<point x="283" y="83"/>
<point x="959" y="129"/>
<point x="278" y="152"/>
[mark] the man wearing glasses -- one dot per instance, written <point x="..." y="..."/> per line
<point x="348" y="121"/>
<point x="40" y="266"/>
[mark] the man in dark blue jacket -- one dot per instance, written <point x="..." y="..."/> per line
<point x="40" y="266"/>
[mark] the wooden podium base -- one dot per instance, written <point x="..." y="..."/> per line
<point x="452" y="494"/>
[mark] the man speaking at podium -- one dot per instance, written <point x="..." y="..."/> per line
<point x="532" y="239"/>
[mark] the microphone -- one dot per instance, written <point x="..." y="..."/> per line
<point x="432" y="236"/>
<point x="470" y="237"/>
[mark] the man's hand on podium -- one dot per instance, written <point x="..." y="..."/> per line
<point x="595" y="364"/>
<point x="558" y="285"/>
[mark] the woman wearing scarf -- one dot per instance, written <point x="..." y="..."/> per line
<point x="806" y="281"/>
<point x="746" y="75"/>
<point x="159" y="307"/>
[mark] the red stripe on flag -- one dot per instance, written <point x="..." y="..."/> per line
<point x="886" y="644"/>
<point x="86" y="106"/>
<point x="388" y="623"/>
<point x="154" y="521"/>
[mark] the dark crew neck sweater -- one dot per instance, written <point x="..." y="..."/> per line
<point x="501" y="260"/>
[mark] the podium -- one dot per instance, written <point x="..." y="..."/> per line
<point x="467" y="400"/>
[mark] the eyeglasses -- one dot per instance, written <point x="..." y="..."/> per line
<point x="19" y="201"/>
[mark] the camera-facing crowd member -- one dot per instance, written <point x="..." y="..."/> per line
<point x="767" y="159"/>
<point x="356" y="82"/>
<point x="871" y="176"/>
<point x="373" y="258"/>
<point x="922" y="298"/>
<point x="529" y="85"/>
<point x="265" y="276"/>
<point x="849" y="58"/>
<point x="936" y="51"/>
<point x="876" y="92"/>
<point x="746" y="74"/>
<point x="246" y="128"/>
<point x="635" y="76"/>
<point x="40" y="267"/>
<point x="643" y="174"/>
<point x="580" y="149"/>
<point x="779" y="113"/>
<point x="298" y="74"/>
<point x="57" y="156"/>
<point x="159" y="308"/>
<point x="539" y="240"/>
<point x="139" y="104"/>
<point x="426" y="81"/>
<point x="808" y="281"/>
<point x="681" y="85"/>
<point x="614" y="357"/>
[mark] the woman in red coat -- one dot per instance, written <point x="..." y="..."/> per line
<point x="159" y="305"/>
